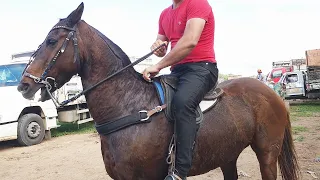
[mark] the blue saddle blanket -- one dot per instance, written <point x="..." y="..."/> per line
<point x="160" y="91"/>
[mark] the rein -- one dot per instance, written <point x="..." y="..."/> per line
<point x="112" y="75"/>
<point x="43" y="79"/>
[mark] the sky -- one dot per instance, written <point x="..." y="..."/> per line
<point x="250" y="34"/>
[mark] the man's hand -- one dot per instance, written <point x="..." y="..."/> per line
<point x="150" y="72"/>
<point x="161" y="51"/>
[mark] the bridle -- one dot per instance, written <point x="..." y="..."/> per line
<point x="44" y="79"/>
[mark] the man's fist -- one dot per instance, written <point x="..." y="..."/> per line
<point x="161" y="51"/>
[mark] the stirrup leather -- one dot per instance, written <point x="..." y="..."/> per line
<point x="171" y="155"/>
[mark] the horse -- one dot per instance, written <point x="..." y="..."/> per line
<point x="247" y="114"/>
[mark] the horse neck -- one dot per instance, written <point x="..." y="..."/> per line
<point x="123" y="94"/>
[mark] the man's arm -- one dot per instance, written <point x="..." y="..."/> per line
<point x="162" y="37"/>
<point x="186" y="43"/>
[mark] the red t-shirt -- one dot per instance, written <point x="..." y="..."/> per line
<point x="172" y="24"/>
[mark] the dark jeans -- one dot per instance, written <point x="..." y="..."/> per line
<point x="195" y="80"/>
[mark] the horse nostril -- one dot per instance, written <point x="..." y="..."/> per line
<point x="23" y="87"/>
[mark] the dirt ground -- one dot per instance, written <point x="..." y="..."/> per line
<point x="78" y="157"/>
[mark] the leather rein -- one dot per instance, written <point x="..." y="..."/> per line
<point x="45" y="79"/>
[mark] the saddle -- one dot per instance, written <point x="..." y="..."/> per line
<point x="166" y="86"/>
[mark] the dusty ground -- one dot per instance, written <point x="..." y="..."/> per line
<point x="78" y="157"/>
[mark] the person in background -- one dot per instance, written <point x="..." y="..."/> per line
<point x="259" y="76"/>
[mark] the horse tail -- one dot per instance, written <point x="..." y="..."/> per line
<point x="288" y="158"/>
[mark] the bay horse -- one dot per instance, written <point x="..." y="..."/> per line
<point x="247" y="114"/>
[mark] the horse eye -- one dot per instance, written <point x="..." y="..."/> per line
<point x="51" y="42"/>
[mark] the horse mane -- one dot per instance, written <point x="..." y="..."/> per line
<point x="117" y="51"/>
<point x="114" y="48"/>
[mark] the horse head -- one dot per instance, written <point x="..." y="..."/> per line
<point x="56" y="60"/>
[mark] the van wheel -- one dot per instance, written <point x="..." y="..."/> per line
<point x="30" y="129"/>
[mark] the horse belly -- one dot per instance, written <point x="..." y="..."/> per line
<point x="137" y="153"/>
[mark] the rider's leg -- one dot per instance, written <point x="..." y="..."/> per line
<point x="195" y="80"/>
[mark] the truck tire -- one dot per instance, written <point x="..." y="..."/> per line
<point x="30" y="129"/>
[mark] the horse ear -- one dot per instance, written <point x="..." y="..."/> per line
<point x="75" y="16"/>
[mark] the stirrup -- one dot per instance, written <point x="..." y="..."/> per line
<point x="173" y="177"/>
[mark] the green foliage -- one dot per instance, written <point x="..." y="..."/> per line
<point x="305" y="110"/>
<point x="223" y="76"/>
<point x="299" y="129"/>
<point x="299" y="139"/>
<point x="70" y="128"/>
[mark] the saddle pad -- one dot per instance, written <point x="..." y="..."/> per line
<point x="204" y="105"/>
<point x="160" y="91"/>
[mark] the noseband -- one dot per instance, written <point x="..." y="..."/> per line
<point x="44" y="79"/>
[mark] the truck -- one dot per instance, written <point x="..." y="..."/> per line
<point x="281" y="67"/>
<point x="278" y="69"/>
<point x="30" y="121"/>
<point x="305" y="81"/>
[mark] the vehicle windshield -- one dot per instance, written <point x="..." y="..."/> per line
<point x="10" y="75"/>
<point x="277" y="74"/>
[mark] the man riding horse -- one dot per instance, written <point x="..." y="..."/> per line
<point x="132" y="144"/>
<point x="189" y="26"/>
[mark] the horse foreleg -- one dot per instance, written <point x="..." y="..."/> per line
<point x="230" y="170"/>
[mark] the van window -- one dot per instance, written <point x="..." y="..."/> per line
<point x="292" y="78"/>
<point x="277" y="74"/>
<point x="10" y="75"/>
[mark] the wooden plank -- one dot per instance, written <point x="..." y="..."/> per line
<point x="82" y="111"/>
<point x="313" y="57"/>
<point x="84" y="120"/>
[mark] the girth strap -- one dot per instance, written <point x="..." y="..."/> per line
<point x="117" y="124"/>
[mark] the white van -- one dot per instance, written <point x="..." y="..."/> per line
<point x="30" y="121"/>
<point x="22" y="119"/>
